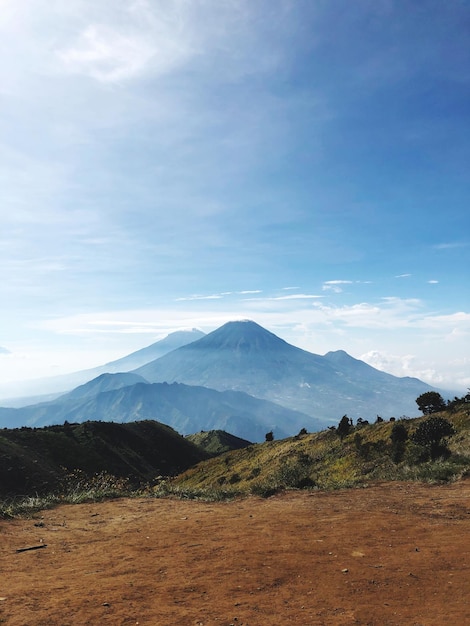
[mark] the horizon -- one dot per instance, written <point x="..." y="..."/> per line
<point x="53" y="390"/>
<point x="169" y="165"/>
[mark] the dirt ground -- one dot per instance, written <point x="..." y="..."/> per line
<point x="390" y="554"/>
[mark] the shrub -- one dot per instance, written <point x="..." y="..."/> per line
<point x="399" y="435"/>
<point x="430" y="435"/>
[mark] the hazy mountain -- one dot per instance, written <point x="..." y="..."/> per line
<point x="246" y="357"/>
<point x="105" y="382"/>
<point x="58" y="410"/>
<point x="302" y="390"/>
<point x="154" y="351"/>
<point x="45" y="389"/>
<point x="188" y="409"/>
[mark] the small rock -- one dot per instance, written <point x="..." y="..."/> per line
<point x="345" y="570"/>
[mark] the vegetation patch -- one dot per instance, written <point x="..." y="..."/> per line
<point x="432" y="448"/>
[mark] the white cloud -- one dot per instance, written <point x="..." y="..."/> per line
<point x="415" y="367"/>
<point x="334" y="285"/>
<point x="389" y="314"/>
<point x="215" y="296"/>
<point x="108" y="55"/>
<point x="297" y="296"/>
<point x="452" y="245"/>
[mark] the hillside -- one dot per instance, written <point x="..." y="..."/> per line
<point x="217" y="442"/>
<point x="324" y="461"/>
<point x="37" y="460"/>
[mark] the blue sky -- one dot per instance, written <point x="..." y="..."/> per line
<point x="170" y="164"/>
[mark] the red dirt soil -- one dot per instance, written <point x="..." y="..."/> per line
<point x="390" y="554"/>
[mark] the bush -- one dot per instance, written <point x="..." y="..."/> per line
<point x="430" y="435"/>
<point x="399" y="435"/>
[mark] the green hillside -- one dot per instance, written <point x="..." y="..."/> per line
<point x="217" y="442"/>
<point x="37" y="460"/>
<point x="325" y="461"/>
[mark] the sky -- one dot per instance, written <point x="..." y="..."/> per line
<point x="175" y="164"/>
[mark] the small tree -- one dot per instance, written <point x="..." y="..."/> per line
<point x="344" y="427"/>
<point x="399" y="435"/>
<point x="430" y="434"/>
<point x="269" y="436"/>
<point x="430" y="402"/>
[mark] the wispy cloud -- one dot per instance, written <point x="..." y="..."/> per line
<point x="108" y="55"/>
<point x="188" y="155"/>
<point x="338" y="282"/>
<point x="388" y="313"/>
<point x="215" y="296"/>
<point x="452" y="245"/>
<point x="297" y="296"/>
<point x="335" y="285"/>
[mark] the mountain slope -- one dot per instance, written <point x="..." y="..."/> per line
<point x="324" y="460"/>
<point x="186" y="408"/>
<point x="217" y="442"/>
<point x="171" y="342"/>
<point x="104" y="382"/>
<point x="246" y="357"/>
<point x="61" y="384"/>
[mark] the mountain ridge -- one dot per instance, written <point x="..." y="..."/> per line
<point x="246" y="357"/>
<point x="45" y="389"/>
<point x="187" y="409"/>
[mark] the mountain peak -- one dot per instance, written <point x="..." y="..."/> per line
<point x="339" y="355"/>
<point x="244" y="335"/>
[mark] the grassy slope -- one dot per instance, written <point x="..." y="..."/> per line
<point x="217" y="442"/>
<point x="36" y="460"/>
<point x="107" y="455"/>
<point x="323" y="461"/>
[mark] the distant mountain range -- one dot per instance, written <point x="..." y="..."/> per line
<point x="241" y="378"/>
<point x="43" y="389"/>
<point x="187" y="409"/>
<point x="246" y="357"/>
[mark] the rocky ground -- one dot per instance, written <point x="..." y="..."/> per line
<point x="390" y="554"/>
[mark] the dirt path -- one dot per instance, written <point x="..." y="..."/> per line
<point x="391" y="554"/>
